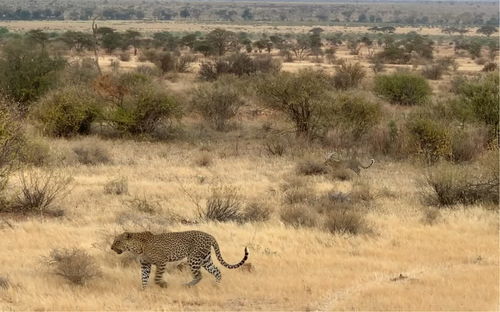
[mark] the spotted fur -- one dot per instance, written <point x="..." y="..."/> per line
<point x="167" y="247"/>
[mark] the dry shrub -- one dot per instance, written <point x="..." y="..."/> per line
<point x="11" y="142"/>
<point x="433" y="71"/>
<point x="298" y="216"/>
<point x="296" y="191"/>
<point x="430" y="215"/>
<point x="256" y="212"/>
<point x="276" y="146"/>
<point x="341" y="173"/>
<point x="361" y="191"/>
<point x="311" y="167"/>
<point x="468" y="145"/>
<point x="223" y="205"/>
<point x="453" y="184"/>
<point x="204" y="160"/>
<point x="124" y="56"/>
<point x="92" y="153"/>
<point x="117" y="186"/>
<point x="39" y="191"/>
<point x="144" y="205"/>
<point x="4" y="282"/>
<point x="35" y="151"/>
<point x="348" y="76"/>
<point x="342" y="221"/>
<point x="489" y="67"/>
<point x="75" y="265"/>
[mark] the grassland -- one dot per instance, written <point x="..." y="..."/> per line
<point x="451" y="265"/>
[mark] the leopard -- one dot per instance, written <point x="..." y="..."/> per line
<point x="159" y="249"/>
<point x="333" y="161"/>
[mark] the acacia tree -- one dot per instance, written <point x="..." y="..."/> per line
<point x="222" y="40"/>
<point x="300" y="96"/>
<point x="487" y="30"/>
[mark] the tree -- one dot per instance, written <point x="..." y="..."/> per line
<point x="77" y="40"/>
<point x="37" y="36"/>
<point x="222" y="40"/>
<point x="131" y="38"/>
<point x="184" y="13"/>
<point x="300" y="96"/>
<point x="247" y="14"/>
<point x="487" y="30"/>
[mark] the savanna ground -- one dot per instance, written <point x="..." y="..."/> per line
<point x="405" y="260"/>
<point x="450" y="265"/>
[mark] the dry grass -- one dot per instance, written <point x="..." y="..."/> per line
<point x="323" y="271"/>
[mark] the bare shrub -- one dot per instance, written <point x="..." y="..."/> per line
<point x="39" y="191"/>
<point x="124" y="56"/>
<point x="117" y="186"/>
<point x="341" y="173"/>
<point x="204" y="160"/>
<point x="430" y="215"/>
<point x="433" y="71"/>
<point x="223" y="205"/>
<point x="275" y="146"/>
<point x="92" y="153"/>
<point x="256" y="212"/>
<point x="144" y="204"/>
<point x="361" y="191"/>
<point x="296" y="191"/>
<point x="311" y="167"/>
<point x="468" y="145"/>
<point x="341" y="221"/>
<point x="298" y="216"/>
<point x="4" y="282"/>
<point x="348" y="76"/>
<point x="489" y="67"/>
<point x="75" y="265"/>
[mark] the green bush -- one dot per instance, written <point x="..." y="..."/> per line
<point x="67" y="112"/>
<point x="431" y="138"/>
<point x="11" y="142"/>
<point x="356" y="114"/>
<point x="144" y="108"/>
<point x="478" y="100"/>
<point x="403" y="88"/>
<point x="218" y="103"/>
<point x="27" y="71"/>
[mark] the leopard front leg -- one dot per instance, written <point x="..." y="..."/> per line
<point x="145" y="271"/>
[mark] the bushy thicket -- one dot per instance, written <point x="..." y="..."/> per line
<point x="458" y="184"/>
<point x="238" y="64"/>
<point x="403" y="88"/>
<point x="478" y="100"/>
<point x="27" y="71"/>
<point x="217" y="103"/>
<point x="11" y="142"/>
<point x="67" y="111"/>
